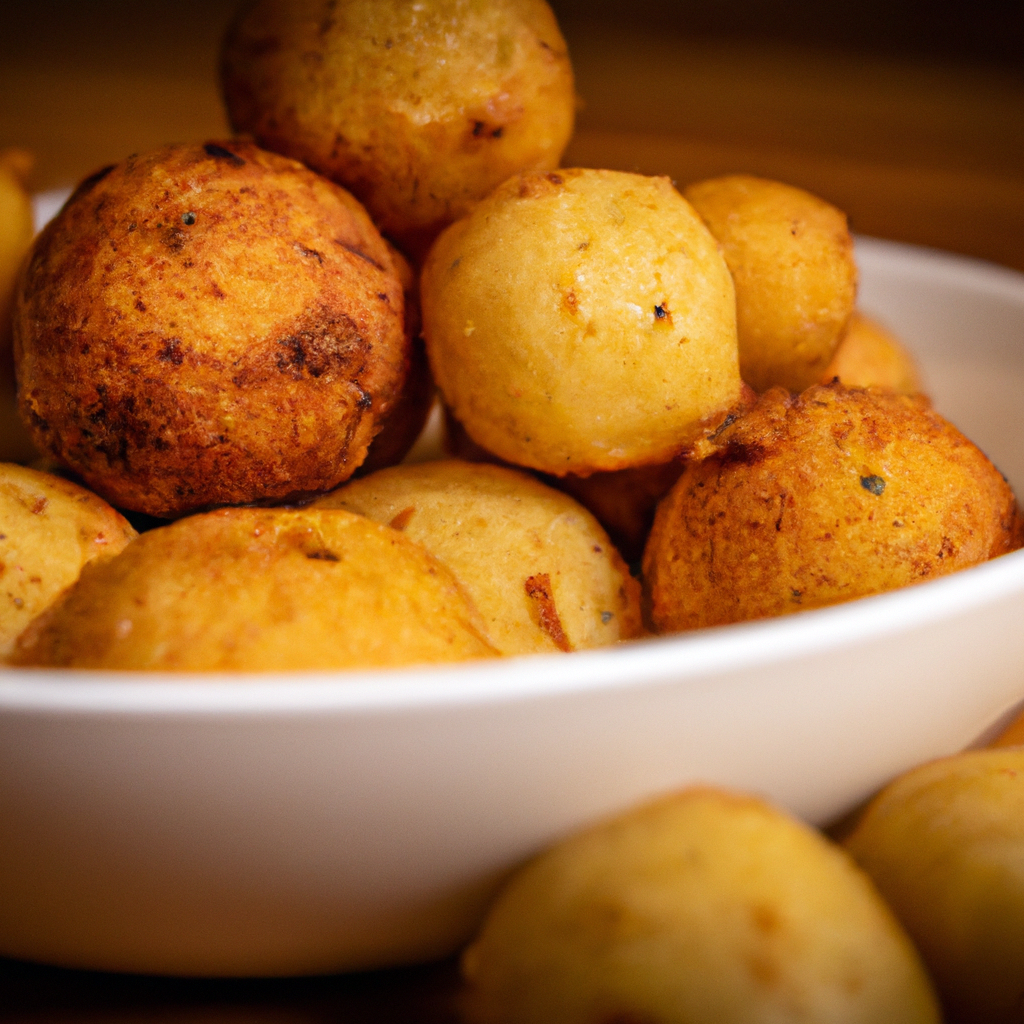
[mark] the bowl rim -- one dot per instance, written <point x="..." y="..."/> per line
<point x="677" y="659"/>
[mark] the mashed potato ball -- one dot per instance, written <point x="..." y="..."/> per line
<point x="420" y="108"/>
<point x="49" y="529"/>
<point x="582" y="320"/>
<point x="812" y="500"/>
<point x="870" y="356"/>
<point x="538" y="566"/>
<point x="209" y="325"/>
<point x="702" y="908"/>
<point x="261" y="590"/>
<point x="945" y="846"/>
<point x="791" y="257"/>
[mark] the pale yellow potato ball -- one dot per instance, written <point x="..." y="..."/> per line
<point x="255" y="590"/>
<point x="702" y="908"/>
<point x="582" y="320"/>
<point x="871" y="356"/>
<point x="791" y="257"/>
<point x="539" y="567"/>
<point x="49" y="529"/>
<point x="944" y="843"/>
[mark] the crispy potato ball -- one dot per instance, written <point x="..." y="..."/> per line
<point x="945" y="846"/>
<point x="15" y="237"/>
<point x="206" y="325"/>
<point x="49" y="529"/>
<point x="261" y="590"/>
<point x="420" y="109"/>
<point x="812" y="500"/>
<point x="582" y="320"/>
<point x="869" y="356"/>
<point x="702" y="907"/>
<point x="791" y="258"/>
<point x="538" y="566"/>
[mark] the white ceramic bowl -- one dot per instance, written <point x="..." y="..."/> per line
<point x="278" y="825"/>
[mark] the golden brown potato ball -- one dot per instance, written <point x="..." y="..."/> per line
<point x="870" y="356"/>
<point x="812" y="500"/>
<point x="420" y="109"/>
<point x="15" y="237"/>
<point x="208" y="325"/>
<point x="582" y="320"/>
<point x="539" y="567"/>
<point x="791" y="258"/>
<point x="702" y="908"/>
<point x="945" y="846"/>
<point x="261" y="590"/>
<point x="49" y="529"/>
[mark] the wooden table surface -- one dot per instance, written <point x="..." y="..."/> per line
<point x="924" y="151"/>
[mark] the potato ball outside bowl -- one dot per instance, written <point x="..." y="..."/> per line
<point x="208" y="325"/>
<point x="419" y="108"/>
<point x="582" y="320"/>
<point x="702" y="908"/>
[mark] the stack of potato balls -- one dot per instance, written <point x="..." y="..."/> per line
<point x="235" y="344"/>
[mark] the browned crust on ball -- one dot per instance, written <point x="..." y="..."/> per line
<point x="209" y="325"/>
<point x="828" y="496"/>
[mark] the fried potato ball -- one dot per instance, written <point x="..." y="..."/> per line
<point x="791" y="258"/>
<point x="945" y="846"/>
<point x="870" y="356"/>
<point x="208" y="325"/>
<point x="49" y="529"/>
<point x="541" y="570"/>
<point x="582" y="320"/>
<point x="702" y="907"/>
<point x="261" y="590"/>
<point x="15" y="237"/>
<point x="420" y="109"/>
<point x="812" y="500"/>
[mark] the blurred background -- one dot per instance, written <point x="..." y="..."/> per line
<point x="908" y="115"/>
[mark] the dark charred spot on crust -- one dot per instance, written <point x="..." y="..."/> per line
<point x="94" y="179"/>
<point x="323" y="556"/>
<point x="478" y="129"/>
<point x="740" y="453"/>
<point x="401" y="520"/>
<point x="365" y="398"/>
<point x="312" y="253"/>
<point x="322" y="344"/>
<point x="140" y="305"/>
<point x="727" y="422"/>
<point x="874" y="484"/>
<point x="556" y="179"/>
<point x="188" y="218"/>
<point x="356" y="251"/>
<point x="171" y="352"/>
<point x="37" y="421"/>
<point x="175" y="239"/>
<point x="660" y="312"/>
<point x="538" y="590"/>
<point x="220" y="153"/>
